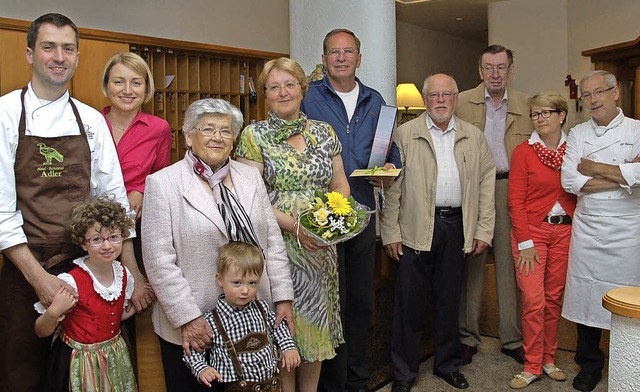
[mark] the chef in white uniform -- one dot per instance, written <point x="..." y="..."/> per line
<point x="601" y="167"/>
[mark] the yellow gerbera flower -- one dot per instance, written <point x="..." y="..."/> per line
<point x="338" y="203"/>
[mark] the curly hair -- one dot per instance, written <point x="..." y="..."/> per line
<point x="103" y="211"/>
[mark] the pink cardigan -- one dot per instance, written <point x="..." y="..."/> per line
<point x="533" y="190"/>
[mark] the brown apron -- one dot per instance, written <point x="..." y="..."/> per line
<point x="52" y="176"/>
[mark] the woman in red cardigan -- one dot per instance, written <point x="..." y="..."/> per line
<point x="541" y="214"/>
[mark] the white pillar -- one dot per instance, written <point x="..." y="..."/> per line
<point x="373" y="21"/>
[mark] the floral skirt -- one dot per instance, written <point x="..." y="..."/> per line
<point x="97" y="367"/>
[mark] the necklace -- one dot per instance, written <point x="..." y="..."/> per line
<point x="119" y="127"/>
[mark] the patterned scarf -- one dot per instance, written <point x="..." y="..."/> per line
<point x="284" y="129"/>
<point x="237" y="222"/>
<point x="551" y="158"/>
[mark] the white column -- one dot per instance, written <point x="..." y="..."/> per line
<point x="373" y="21"/>
<point x="624" y="342"/>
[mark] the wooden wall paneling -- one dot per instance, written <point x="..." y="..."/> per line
<point x="215" y="76"/>
<point x="15" y="72"/>
<point x="204" y="74"/>
<point x="86" y="83"/>
<point x="225" y="76"/>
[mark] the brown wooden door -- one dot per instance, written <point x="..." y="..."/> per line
<point x="15" y="72"/>
<point x="86" y="83"/>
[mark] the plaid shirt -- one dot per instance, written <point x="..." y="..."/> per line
<point x="238" y="322"/>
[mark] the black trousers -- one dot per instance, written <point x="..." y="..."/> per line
<point x="588" y="353"/>
<point x="177" y="376"/>
<point x="348" y="370"/>
<point x="440" y="270"/>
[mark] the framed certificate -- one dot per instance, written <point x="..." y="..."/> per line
<point x="382" y="139"/>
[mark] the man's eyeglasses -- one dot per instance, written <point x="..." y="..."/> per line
<point x="597" y="93"/>
<point x="276" y="88"/>
<point x="543" y="113"/>
<point x="348" y="52"/>
<point x="435" y="96"/>
<point x="490" y="69"/>
<point x="209" y="132"/>
<point x="98" y="241"/>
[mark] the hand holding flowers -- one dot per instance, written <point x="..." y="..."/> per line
<point x="331" y="218"/>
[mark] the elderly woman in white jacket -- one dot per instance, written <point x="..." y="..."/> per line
<point x="192" y="208"/>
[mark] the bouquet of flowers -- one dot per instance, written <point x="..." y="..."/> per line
<point x="330" y="218"/>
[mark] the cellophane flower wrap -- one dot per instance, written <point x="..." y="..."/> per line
<point x="330" y="218"/>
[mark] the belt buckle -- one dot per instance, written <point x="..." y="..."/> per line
<point x="556" y="219"/>
<point x="443" y="213"/>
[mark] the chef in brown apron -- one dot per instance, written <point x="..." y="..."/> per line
<point x="52" y="175"/>
<point x="46" y="193"/>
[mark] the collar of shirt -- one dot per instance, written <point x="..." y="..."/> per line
<point x="32" y="101"/>
<point x="535" y="138"/>
<point x="488" y="97"/>
<point x="225" y="308"/>
<point x="140" y="116"/>
<point x="450" y="127"/>
<point x="602" y="129"/>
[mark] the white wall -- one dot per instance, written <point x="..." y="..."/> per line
<point x="251" y="24"/>
<point x="421" y="52"/>
<point x="548" y="37"/>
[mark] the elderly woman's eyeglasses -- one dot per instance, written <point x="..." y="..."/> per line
<point x="597" y="94"/>
<point x="209" y="132"/>
<point x="348" y="52"/>
<point x="543" y="113"/>
<point x="490" y="69"/>
<point x="98" y="241"/>
<point x="276" y="88"/>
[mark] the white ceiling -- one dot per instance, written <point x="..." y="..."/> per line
<point x="440" y="15"/>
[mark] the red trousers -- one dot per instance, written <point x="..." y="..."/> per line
<point x="542" y="293"/>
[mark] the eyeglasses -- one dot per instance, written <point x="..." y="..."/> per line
<point x="276" y="88"/>
<point x="446" y="95"/>
<point x="490" y="69"/>
<point x="98" y="241"/>
<point x="597" y="93"/>
<point x="209" y="132"/>
<point x="348" y="52"/>
<point x="543" y="113"/>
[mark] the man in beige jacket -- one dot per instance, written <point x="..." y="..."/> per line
<point x="503" y="115"/>
<point x="440" y="208"/>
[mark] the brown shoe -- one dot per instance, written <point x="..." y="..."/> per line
<point x="554" y="372"/>
<point x="517" y="354"/>
<point x="467" y="353"/>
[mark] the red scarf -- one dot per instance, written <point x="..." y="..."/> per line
<point x="551" y="158"/>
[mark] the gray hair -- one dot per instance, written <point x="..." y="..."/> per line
<point x="609" y="78"/>
<point x="428" y="79"/>
<point x="215" y="107"/>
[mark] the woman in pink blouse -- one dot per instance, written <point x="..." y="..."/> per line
<point x="143" y="141"/>
<point x="541" y="214"/>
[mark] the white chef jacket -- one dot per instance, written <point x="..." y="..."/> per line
<point x="605" y="242"/>
<point x="52" y="119"/>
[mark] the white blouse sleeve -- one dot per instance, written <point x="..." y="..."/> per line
<point x="65" y="277"/>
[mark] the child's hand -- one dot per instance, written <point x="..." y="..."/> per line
<point x="62" y="303"/>
<point x="290" y="359"/>
<point x="208" y="375"/>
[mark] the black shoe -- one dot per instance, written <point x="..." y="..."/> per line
<point x="587" y="381"/>
<point x="467" y="353"/>
<point x="401" y="386"/>
<point x="455" y="379"/>
<point x="516" y="353"/>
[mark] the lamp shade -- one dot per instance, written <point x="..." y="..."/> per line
<point x="408" y="96"/>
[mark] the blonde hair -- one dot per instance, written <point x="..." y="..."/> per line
<point x="137" y="65"/>
<point x="550" y="99"/>
<point x="287" y="65"/>
<point x="244" y="256"/>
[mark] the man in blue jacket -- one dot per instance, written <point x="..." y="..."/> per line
<point x="352" y="109"/>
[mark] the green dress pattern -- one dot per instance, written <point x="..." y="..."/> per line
<point x="291" y="177"/>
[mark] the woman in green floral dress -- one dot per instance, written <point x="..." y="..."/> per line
<point x="297" y="157"/>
